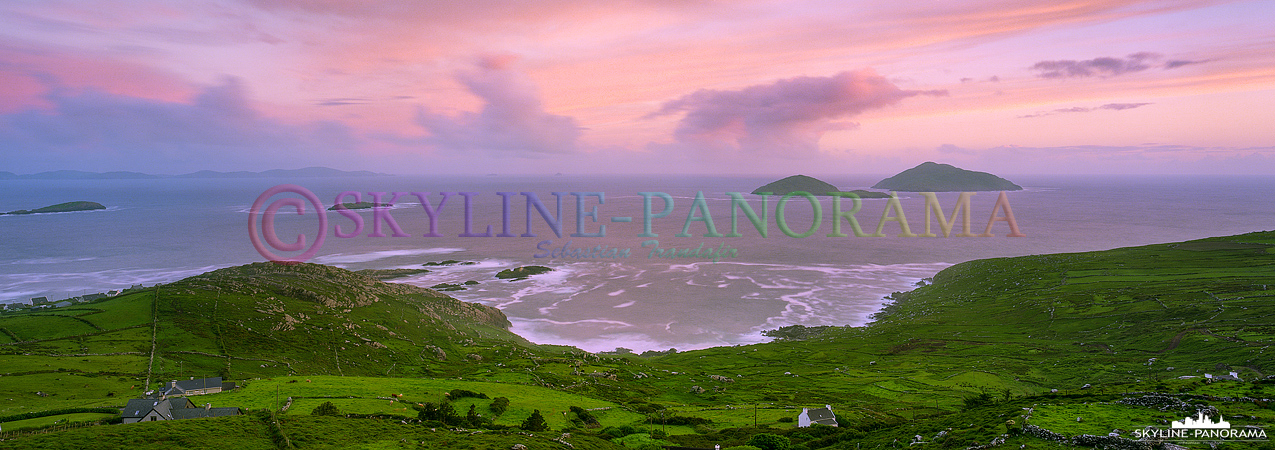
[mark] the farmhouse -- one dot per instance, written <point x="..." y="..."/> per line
<point x="153" y="410"/>
<point x="820" y="416"/>
<point x="194" y="386"/>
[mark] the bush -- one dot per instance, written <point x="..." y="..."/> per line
<point x="585" y="416"/>
<point x="442" y="412"/>
<point x="678" y="420"/>
<point x="641" y="441"/>
<point x="457" y="394"/>
<point x="620" y="431"/>
<point x="326" y="409"/>
<point x="982" y="399"/>
<point x="472" y="419"/>
<point x="785" y="419"/>
<point x="535" y="422"/>
<point x="767" y="441"/>
<point x="498" y="405"/>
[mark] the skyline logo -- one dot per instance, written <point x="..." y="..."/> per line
<point x="1202" y="428"/>
<point x="1201" y="420"/>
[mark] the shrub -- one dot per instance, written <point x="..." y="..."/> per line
<point x="767" y="441"/>
<point x="620" y="431"/>
<point x="535" y="422"/>
<point x="457" y="394"/>
<point x="678" y="420"/>
<point x="442" y="412"/>
<point x="641" y="441"/>
<point x="585" y="416"/>
<point x="498" y="405"/>
<point x="326" y="409"/>
<point x="982" y="399"/>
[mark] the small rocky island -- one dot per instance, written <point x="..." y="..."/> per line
<point x="357" y="205"/>
<point x="521" y="273"/>
<point x="934" y="177"/>
<point x="802" y="183"/>
<point x="61" y="207"/>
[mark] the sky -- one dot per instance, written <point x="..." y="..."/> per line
<point x="638" y="87"/>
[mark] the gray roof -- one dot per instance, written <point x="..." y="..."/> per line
<point x="140" y="407"/>
<point x="822" y="416"/>
<point x="180" y="387"/>
<point x="200" y="413"/>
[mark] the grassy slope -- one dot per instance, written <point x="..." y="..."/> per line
<point x="1026" y="325"/>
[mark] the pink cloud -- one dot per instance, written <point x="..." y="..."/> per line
<point x="785" y="116"/>
<point x="94" y="130"/>
<point x="30" y="71"/>
<point x="513" y="119"/>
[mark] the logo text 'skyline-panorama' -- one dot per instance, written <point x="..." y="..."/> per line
<point x="590" y="223"/>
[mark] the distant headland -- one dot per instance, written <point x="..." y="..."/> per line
<point x="934" y="177"/>
<point x="803" y="183"/>
<point x="61" y="207"/>
<point x="308" y="172"/>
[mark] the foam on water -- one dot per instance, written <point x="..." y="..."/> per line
<point x="570" y="304"/>
<point x="350" y="258"/>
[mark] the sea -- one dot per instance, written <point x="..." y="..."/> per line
<point x="638" y="262"/>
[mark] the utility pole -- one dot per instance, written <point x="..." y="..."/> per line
<point x="754" y="415"/>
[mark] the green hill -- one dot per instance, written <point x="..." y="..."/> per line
<point x="62" y="207"/>
<point x="316" y="319"/>
<point x="933" y="177"/>
<point x="797" y="183"/>
<point x="257" y="320"/>
<point x="802" y="183"/>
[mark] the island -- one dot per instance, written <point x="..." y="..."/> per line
<point x="357" y="205"/>
<point x="389" y="274"/>
<point x="61" y="207"/>
<point x="521" y="273"/>
<point x="868" y="194"/>
<point x="934" y="177"/>
<point x="815" y="186"/>
<point x="449" y="262"/>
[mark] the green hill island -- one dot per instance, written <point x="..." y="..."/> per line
<point x="1100" y="350"/>
<point x="803" y="183"/>
<point x="934" y="177"/>
<point x="61" y="207"/>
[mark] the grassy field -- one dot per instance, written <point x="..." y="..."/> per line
<point x="41" y="422"/>
<point x="1001" y="333"/>
<point x="371" y="395"/>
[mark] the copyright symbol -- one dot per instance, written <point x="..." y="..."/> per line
<point x="267" y="230"/>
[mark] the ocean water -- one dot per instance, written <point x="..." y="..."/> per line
<point x="157" y="231"/>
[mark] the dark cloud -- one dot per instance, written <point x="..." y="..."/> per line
<point x="512" y="118"/>
<point x="1122" y="106"/>
<point x="343" y="101"/>
<point x="1105" y="66"/>
<point x="1082" y="109"/>
<point x="1173" y="64"/>
<point x="785" y="116"/>
<point x="218" y="129"/>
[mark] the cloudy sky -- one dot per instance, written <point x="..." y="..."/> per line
<point x="766" y="87"/>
